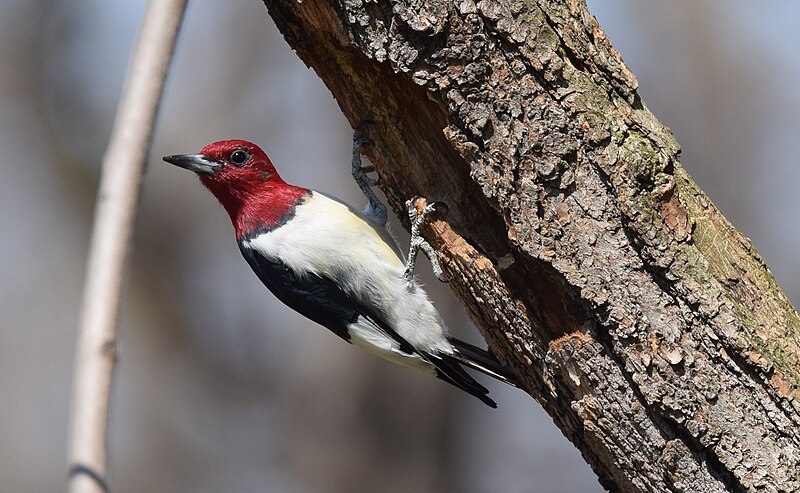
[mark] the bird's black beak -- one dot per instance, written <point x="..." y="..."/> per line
<point x="193" y="162"/>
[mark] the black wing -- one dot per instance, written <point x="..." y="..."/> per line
<point x="314" y="297"/>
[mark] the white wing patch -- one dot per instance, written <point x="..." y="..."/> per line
<point x="366" y="335"/>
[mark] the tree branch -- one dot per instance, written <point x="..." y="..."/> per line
<point x="645" y="324"/>
<point x="115" y="214"/>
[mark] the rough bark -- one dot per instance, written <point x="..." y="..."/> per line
<point x="644" y="323"/>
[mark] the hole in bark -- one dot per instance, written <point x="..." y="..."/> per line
<point x="546" y="295"/>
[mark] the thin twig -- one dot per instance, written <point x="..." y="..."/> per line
<point x="115" y="213"/>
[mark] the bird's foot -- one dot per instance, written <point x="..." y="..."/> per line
<point x="419" y="243"/>
<point x="375" y="209"/>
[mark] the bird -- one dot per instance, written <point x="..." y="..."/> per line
<point x="335" y="265"/>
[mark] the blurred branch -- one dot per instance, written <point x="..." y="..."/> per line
<point x="646" y="325"/>
<point x="115" y="213"/>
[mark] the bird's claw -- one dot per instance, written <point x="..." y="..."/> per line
<point x="375" y="209"/>
<point x="419" y="243"/>
<point x="361" y="142"/>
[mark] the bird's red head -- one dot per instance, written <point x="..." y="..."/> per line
<point x="239" y="166"/>
<point x="245" y="182"/>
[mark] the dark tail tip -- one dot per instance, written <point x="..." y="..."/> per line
<point x="483" y="361"/>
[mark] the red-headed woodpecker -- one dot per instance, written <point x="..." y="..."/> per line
<point x="338" y="267"/>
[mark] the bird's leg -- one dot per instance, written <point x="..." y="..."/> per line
<point x="375" y="210"/>
<point x="418" y="242"/>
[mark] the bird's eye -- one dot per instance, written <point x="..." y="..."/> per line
<point x="239" y="156"/>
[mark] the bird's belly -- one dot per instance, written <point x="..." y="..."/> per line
<point x="335" y="244"/>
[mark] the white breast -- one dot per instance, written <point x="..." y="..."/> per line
<point x="328" y="239"/>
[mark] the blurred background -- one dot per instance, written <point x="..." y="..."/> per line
<point x="219" y="388"/>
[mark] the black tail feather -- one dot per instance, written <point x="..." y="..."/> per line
<point x="449" y="370"/>
<point x="483" y="361"/>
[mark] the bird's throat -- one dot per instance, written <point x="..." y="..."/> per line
<point x="254" y="210"/>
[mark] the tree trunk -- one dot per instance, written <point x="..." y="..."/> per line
<point x="644" y="323"/>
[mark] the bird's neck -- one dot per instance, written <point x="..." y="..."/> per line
<point x="256" y="209"/>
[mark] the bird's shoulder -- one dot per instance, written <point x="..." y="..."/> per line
<point x="348" y="214"/>
<point x="322" y="225"/>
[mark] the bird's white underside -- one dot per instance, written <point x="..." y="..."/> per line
<point x="327" y="238"/>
